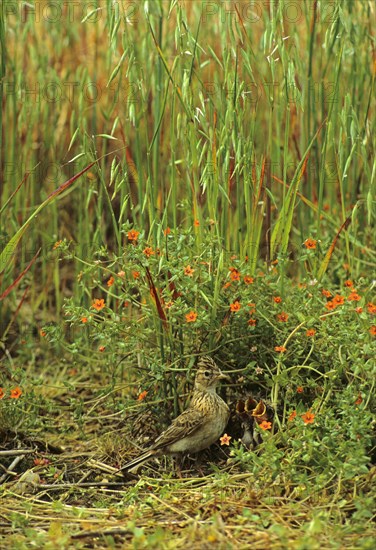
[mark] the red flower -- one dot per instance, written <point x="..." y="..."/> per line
<point x="292" y="416"/>
<point x="142" y="395"/>
<point x="310" y="244"/>
<point x="371" y="308"/>
<point x="110" y="281"/>
<point x="148" y="251"/>
<point x="372" y="330"/>
<point x="310" y="332"/>
<point x="188" y="271"/>
<point x="15" y="393"/>
<point x="225" y="439"/>
<point x="280" y="349"/>
<point x="56" y="245"/>
<point x="235" y="275"/>
<point x="283" y="317"/>
<point x="359" y="400"/>
<point x="300" y="389"/>
<point x="277" y="299"/>
<point x="235" y="306"/>
<point x="354" y="297"/>
<point x="191" y="317"/>
<point x="265" y="425"/>
<point x="308" y="417"/>
<point x="167" y="231"/>
<point x="2" y="393"/>
<point x="248" y="280"/>
<point x="252" y="322"/>
<point x="348" y="283"/>
<point x="338" y="300"/>
<point x="326" y="293"/>
<point x="133" y="235"/>
<point x="98" y="304"/>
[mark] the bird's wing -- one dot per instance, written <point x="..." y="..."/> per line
<point x="185" y="424"/>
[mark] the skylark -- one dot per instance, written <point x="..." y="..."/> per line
<point x="198" y="426"/>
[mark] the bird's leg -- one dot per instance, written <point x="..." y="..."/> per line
<point x="178" y="461"/>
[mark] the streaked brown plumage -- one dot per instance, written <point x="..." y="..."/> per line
<point x="197" y="427"/>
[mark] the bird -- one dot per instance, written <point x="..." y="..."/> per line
<point x="252" y="412"/>
<point x="196" y="428"/>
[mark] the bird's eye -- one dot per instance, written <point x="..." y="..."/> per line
<point x="207" y="374"/>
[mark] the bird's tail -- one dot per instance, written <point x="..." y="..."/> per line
<point x="138" y="461"/>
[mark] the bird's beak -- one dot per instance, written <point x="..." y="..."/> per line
<point x="223" y="376"/>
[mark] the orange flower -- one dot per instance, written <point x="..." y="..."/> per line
<point x="310" y="243"/>
<point x="167" y="231"/>
<point x="135" y="274"/>
<point x="15" y="393"/>
<point x="282" y="317"/>
<point x="348" y="283"/>
<point x="252" y="322"/>
<point x="330" y="305"/>
<point x="84" y="320"/>
<point x="292" y="416"/>
<point x="354" y="296"/>
<point x="1" y="393"/>
<point x="235" y="275"/>
<point x="277" y="299"/>
<point x="265" y="425"/>
<point x="196" y="223"/>
<point x="371" y="308"/>
<point x="102" y="348"/>
<point x="280" y="349"/>
<point x="148" y="251"/>
<point x="56" y="245"/>
<point x="308" y="417"/>
<point x="188" y="271"/>
<point x="98" y="304"/>
<point x="359" y="400"/>
<point x="133" y="235"/>
<point x="300" y="389"/>
<point x="326" y="293"/>
<point x="42" y="333"/>
<point x="310" y="332"/>
<point x="110" y="281"/>
<point x="248" y="280"/>
<point x="225" y="439"/>
<point x="338" y="300"/>
<point x="372" y="330"/>
<point x="359" y="309"/>
<point x="142" y="395"/>
<point x="191" y="317"/>
<point x="226" y="285"/>
<point x="235" y="306"/>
